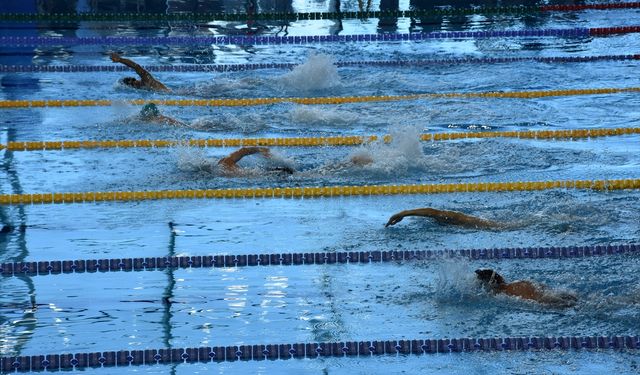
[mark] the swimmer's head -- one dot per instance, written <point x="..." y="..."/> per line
<point x="283" y="170"/>
<point x="149" y="110"/>
<point x="130" y="81"/>
<point x="489" y="276"/>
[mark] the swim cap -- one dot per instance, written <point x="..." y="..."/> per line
<point x="489" y="276"/>
<point x="149" y="110"/>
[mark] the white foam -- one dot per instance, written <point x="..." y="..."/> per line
<point x="245" y="123"/>
<point x="191" y="159"/>
<point x="397" y="157"/>
<point x="456" y="281"/>
<point x="312" y="115"/>
<point x="317" y="73"/>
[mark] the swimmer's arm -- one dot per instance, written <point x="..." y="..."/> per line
<point x="233" y="158"/>
<point x="145" y="76"/>
<point x="445" y="217"/>
<point x="170" y="120"/>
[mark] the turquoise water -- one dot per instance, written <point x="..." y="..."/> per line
<point x="261" y="305"/>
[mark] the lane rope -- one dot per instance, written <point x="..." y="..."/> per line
<point x="311" y="192"/>
<point x="57" y="267"/>
<point x="315" y="100"/>
<point x="294" y="16"/>
<point x="340" y="349"/>
<point x="340" y="64"/>
<point x="311" y="141"/>
<point x="35" y="41"/>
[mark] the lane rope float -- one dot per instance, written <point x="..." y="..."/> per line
<point x="340" y="349"/>
<point x="311" y="141"/>
<point x="312" y="192"/>
<point x="38" y="41"/>
<point x="315" y="100"/>
<point x="57" y="267"/>
<point x="340" y="64"/>
<point x="293" y="16"/>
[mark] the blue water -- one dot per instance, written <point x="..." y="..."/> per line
<point x="263" y="305"/>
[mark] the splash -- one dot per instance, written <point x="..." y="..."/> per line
<point x="398" y="157"/>
<point x="456" y="281"/>
<point x="278" y="160"/>
<point x="317" y="73"/>
<point x="322" y="116"/>
<point x="122" y="111"/>
<point x="192" y="159"/>
<point x="225" y="122"/>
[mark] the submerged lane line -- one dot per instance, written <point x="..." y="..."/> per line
<point x="314" y="100"/>
<point x="310" y="141"/>
<point x="309" y="192"/>
<point x="57" y="267"/>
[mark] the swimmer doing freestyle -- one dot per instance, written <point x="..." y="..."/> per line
<point x="525" y="289"/>
<point x="146" y="81"/>
<point x="230" y="163"/>
<point x="445" y="217"/>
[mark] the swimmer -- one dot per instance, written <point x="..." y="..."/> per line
<point x="230" y="163"/>
<point x="525" y="289"/>
<point x="151" y="113"/>
<point x="443" y="217"/>
<point x="146" y="81"/>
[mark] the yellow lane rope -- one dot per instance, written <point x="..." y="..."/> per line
<point x="318" y="100"/>
<point x="312" y="141"/>
<point x="308" y="192"/>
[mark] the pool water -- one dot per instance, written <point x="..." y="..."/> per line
<point x="319" y="303"/>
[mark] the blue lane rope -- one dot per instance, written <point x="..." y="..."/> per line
<point x="55" y="267"/>
<point x="341" y="64"/>
<point x="31" y="41"/>
<point x="341" y="349"/>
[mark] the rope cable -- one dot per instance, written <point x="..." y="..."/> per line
<point x="311" y="141"/>
<point x="57" y="267"/>
<point x="311" y="350"/>
<point x="293" y="16"/>
<point x="309" y="192"/>
<point x="340" y="64"/>
<point x="313" y="100"/>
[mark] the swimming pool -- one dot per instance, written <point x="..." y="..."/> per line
<point x="322" y="303"/>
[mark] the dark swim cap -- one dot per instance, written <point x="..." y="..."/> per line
<point x="129" y="81"/>
<point x="489" y="276"/>
<point x="283" y="170"/>
<point x="149" y="110"/>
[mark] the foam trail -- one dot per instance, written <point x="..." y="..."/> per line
<point x="317" y="73"/>
<point x="247" y="123"/>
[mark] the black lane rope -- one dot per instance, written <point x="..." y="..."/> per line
<point x="293" y="16"/>
<point x="342" y="349"/>
<point x="56" y="267"/>
<point x="340" y="64"/>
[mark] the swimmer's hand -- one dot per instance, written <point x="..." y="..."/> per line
<point x="115" y="57"/>
<point x="265" y="152"/>
<point x="395" y="219"/>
